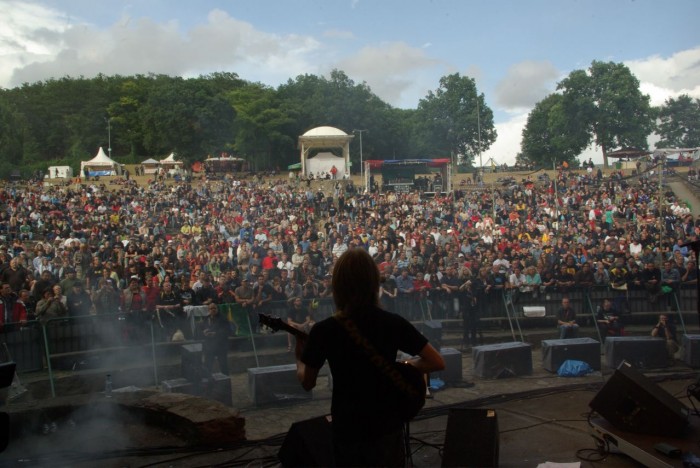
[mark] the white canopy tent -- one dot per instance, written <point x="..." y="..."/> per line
<point x="325" y="138"/>
<point x="59" y="172"/>
<point x="150" y="166"/>
<point x="100" y="165"/>
<point x="169" y="162"/>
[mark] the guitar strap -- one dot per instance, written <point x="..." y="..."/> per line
<point x="385" y="367"/>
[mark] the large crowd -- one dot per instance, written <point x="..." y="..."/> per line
<point x="148" y="251"/>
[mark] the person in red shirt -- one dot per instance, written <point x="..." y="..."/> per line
<point x="134" y="307"/>
<point x="12" y="308"/>
<point x="269" y="262"/>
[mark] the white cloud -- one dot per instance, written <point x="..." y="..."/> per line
<point x="396" y="72"/>
<point x="507" y="145"/>
<point x="664" y="77"/>
<point x="525" y="84"/>
<point x="137" y="46"/>
<point x="30" y="33"/>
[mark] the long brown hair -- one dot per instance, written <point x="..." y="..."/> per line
<point x="355" y="282"/>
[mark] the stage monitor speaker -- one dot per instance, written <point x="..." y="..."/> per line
<point x="191" y="362"/>
<point x="432" y="330"/>
<point x="308" y="443"/>
<point x="632" y="402"/>
<point x="471" y="438"/>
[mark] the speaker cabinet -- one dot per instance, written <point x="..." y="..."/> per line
<point x="555" y="352"/>
<point x="691" y="350"/>
<point x="191" y="362"/>
<point x="432" y="330"/>
<point x="501" y="360"/>
<point x="308" y="443"/>
<point x="471" y="438"/>
<point x="632" y="402"/>
<point x="453" y="366"/>
<point x="644" y="352"/>
<point x="276" y="384"/>
<point x="218" y="387"/>
<point x="178" y="386"/>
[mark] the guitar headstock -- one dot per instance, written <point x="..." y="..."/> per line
<point x="273" y="323"/>
<point x="277" y="324"/>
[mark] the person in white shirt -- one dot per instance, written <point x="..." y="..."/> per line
<point x="635" y="247"/>
<point x="339" y="247"/>
<point x="372" y="249"/>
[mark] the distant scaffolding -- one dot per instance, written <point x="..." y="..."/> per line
<point x="404" y="175"/>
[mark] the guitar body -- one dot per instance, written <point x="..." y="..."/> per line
<point x="406" y="392"/>
<point x="403" y="386"/>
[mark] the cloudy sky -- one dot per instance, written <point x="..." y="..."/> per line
<point x="517" y="50"/>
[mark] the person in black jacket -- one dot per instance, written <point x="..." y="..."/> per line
<point x="216" y="330"/>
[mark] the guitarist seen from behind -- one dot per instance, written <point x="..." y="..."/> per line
<point x="360" y="343"/>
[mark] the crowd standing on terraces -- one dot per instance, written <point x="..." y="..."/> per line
<point x="148" y="251"/>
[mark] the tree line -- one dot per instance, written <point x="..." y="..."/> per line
<point x="65" y="120"/>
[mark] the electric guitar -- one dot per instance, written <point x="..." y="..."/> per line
<point x="404" y="386"/>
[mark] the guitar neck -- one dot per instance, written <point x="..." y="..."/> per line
<point x="294" y="331"/>
<point x="276" y="324"/>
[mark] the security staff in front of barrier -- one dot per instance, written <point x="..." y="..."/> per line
<point x="665" y="328"/>
<point x="216" y="330"/>
<point x="566" y="320"/>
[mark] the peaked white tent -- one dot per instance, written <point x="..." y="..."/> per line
<point x="171" y="160"/>
<point x="170" y="166"/>
<point x="100" y="165"/>
<point x="170" y="163"/>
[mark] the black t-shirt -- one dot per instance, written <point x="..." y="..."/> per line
<point x="315" y="256"/>
<point x="356" y="405"/>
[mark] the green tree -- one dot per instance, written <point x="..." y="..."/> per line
<point x="454" y="120"/>
<point x="339" y="102"/>
<point x="607" y="102"/>
<point x="260" y="126"/>
<point x="679" y="123"/>
<point x="12" y="129"/>
<point x="550" y="135"/>
<point x="181" y="116"/>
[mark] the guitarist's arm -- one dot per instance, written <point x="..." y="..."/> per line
<point x="428" y="360"/>
<point x="306" y="374"/>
